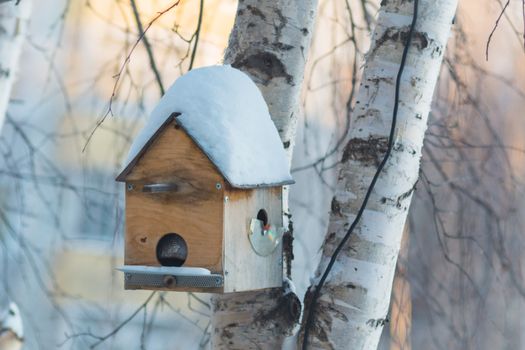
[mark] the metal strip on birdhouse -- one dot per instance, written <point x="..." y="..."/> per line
<point x="264" y="239"/>
<point x="160" y="187"/>
<point x="140" y="277"/>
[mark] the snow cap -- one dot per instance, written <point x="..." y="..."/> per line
<point x="11" y="320"/>
<point x="223" y="112"/>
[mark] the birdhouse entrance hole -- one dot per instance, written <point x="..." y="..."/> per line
<point x="172" y="250"/>
<point x="262" y="215"/>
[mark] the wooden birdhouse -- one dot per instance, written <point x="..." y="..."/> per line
<point x="203" y="185"/>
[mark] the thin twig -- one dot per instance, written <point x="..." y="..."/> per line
<point x="123" y="323"/>
<point x="124" y="65"/>
<point x="494" y="29"/>
<point x="149" y="50"/>
<point x="197" y="34"/>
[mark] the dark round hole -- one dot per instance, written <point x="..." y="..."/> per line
<point x="263" y="216"/>
<point x="172" y="250"/>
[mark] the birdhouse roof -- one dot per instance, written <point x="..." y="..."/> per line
<point x="223" y="112"/>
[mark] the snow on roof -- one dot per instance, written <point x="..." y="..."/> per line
<point x="224" y="113"/>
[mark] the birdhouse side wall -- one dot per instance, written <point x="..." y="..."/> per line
<point x="193" y="208"/>
<point x="244" y="269"/>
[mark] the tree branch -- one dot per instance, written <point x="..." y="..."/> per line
<point x="149" y="50"/>
<point x="197" y="34"/>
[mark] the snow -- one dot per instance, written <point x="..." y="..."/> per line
<point x="11" y="320"/>
<point x="223" y="111"/>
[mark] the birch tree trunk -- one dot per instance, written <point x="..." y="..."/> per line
<point x="353" y="304"/>
<point x="14" y="19"/>
<point x="13" y="24"/>
<point x="269" y="42"/>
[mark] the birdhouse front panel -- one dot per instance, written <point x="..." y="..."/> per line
<point x="174" y="193"/>
<point x="253" y="257"/>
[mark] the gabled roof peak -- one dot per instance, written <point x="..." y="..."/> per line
<point x="224" y="113"/>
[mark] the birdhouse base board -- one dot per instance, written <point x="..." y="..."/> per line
<point x="165" y="278"/>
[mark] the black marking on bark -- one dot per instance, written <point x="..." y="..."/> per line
<point x="371" y="112"/>
<point x="283" y="47"/>
<point x="407" y="194"/>
<point x="398" y="201"/>
<point x="5" y="72"/>
<point x="375" y="323"/>
<point x="414" y="81"/>
<point x="321" y="326"/>
<point x="420" y="40"/>
<point x="349" y="249"/>
<point x="368" y="151"/>
<point x="286" y="144"/>
<point x="256" y="12"/>
<point x="437" y="52"/>
<point x="337" y="314"/>
<point x="280" y="25"/>
<point x="288" y="246"/>
<point x="263" y="66"/>
<point x="400" y="147"/>
<point x="377" y="80"/>
<point x="335" y="206"/>
<point x="305" y="31"/>
<point x="284" y="316"/>
<point x="226" y="333"/>
<point x="251" y="25"/>
<point x="386" y="3"/>
<point x="330" y="238"/>
<point x="346" y="290"/>
<point x="240" y="12"/>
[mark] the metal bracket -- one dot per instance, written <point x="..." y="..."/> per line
<point x="264" y="240"/>
<point x="163" y="187"/>
<point x="144" y="277"/>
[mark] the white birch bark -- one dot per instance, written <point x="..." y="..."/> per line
<point x="353" y="304"/>
<point x="270" y="42"/>
<point x="13" y="24"/>
<point x="14" y="19"/>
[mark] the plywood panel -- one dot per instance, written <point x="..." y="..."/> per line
<point x="173" y="153"/>
<point x="194" y="211"/>
<point x="244" y="269"/>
